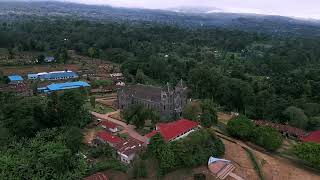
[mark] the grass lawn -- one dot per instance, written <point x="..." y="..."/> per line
<point x="99" y="108"/>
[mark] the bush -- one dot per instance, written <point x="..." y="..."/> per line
<point x="241" y="128"/>
<point x="140" y="169"/>
<point x="102" y="151"/>
<point x="107" y="164"/>
<point x="267" y="137"/>
<point x="308" y="152"/>
<point x="189" y="152"/>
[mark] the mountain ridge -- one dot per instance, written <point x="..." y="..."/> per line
<point x="277" y="25"/>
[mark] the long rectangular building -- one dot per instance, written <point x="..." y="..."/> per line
<point x="63" y="86"/>
<point x="55" y="75"/>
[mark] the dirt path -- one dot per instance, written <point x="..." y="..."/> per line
<point x="130" y="129"/>
<point x="274" y="167"/>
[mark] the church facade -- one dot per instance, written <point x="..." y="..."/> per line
<point x="168" y="101"/>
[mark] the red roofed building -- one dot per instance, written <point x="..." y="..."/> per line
<point x="97" y="176"/>
<point x="284" y="129"/>
<point x="312" y="137"/>
<point x="128" y="148"/>
<point x="109" y="126"/>
<point x="105" y="137"/>
<point x="174" y="130"/>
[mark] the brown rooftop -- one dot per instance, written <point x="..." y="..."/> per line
<point x="144" y="92"/>
<point x="129" y="146"/>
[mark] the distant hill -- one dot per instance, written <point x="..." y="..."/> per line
<point x="183" y="16"/>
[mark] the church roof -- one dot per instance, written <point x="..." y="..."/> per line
<point x="144" y="92"/>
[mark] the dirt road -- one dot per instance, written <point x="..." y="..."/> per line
<point x="273" y="166"/>
<point x="130" y="129"/>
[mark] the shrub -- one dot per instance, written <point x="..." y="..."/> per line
<point x="308" y="152"/>
<point x="267" y="137"/>
<point x="241" y="128"/>
<point x="140" y="169"/>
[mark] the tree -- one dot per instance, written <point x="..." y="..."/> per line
<point x="191" y="111"/>
<point x="296" y="117"/>
<point x="141" y="77"/>
<point x="268" y="138"/>
<point x="207" y="120"/>
<point x="241" y="127"/>
<point x="73" y="138"/>
<point x="166" y="159"/>
<point x="155" y="144"/>
<point x="40" y="59"/>
<point x="308" y="152"/>
<point x="93" y="101"/>
<point x="140" y="169"/>
<point x="138" y="114"/>
<point x="209" y="115"/>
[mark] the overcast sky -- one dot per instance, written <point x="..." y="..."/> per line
<point x="297" y="8"/>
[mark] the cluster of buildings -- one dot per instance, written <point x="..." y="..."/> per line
<point x="128" y="148"/>
<point x="18" y="84"/>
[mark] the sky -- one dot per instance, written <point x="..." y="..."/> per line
<point x="293" y="8"/>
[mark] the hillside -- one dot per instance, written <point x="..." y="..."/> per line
<point x="275" y="25"/>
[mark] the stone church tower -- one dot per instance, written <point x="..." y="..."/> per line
<point x="168" y="101"/>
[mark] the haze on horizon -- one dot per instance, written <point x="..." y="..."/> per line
<point x="291" y="8"/>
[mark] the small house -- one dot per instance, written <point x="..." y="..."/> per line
<point x="49" y="59"/>
<point x="128" y="149"/>
<point x="15" y="79"/>
<point x="110" y="126"/>
<point x="108" y="138"/>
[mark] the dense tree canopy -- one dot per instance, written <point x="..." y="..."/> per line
<point x="258" y="75"/>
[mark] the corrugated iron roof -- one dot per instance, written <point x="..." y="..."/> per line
<point x="67" y="85"/>
<point x="107" y="137"/>
<point x="312" y="137"/>
<point x="172" y="130"/>
<point x="15" y="78"/>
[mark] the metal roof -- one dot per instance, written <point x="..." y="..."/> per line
<point x="54" y="75"/>
<point x="15" y="78"/>
<point x="64" y="86"/>
<point x="67" y="85"/>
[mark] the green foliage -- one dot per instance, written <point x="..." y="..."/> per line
<point x="101" y="151"/>
<point x="93" y="101"/>
<point x="268" y="138"/>
<point x="189" y="152"/>
<point x="308" y="152"/>
<point x="155" y="144"/>
<point x="141" y="77"/>
<point x="98" y="83"/>
<point x="191" y="111"/>
<point x="44" y="156"/>
<point x="68" y="109"/>
<point x="140" y="169"/>
<point x="113" y="164"/>
<point x="241" y="127"/>
<point x="296" y="117"/>
<point x="138" y="114"/>
<point x="207" y="120"/>
<point x="23" y="117"/>
<point x="209" y="115"/>
<point x="73" y="138"/>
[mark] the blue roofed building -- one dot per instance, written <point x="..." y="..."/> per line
<point x="63" y="86"/>
<point x="15" y="79"/>
<point x="55" y="75"/>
